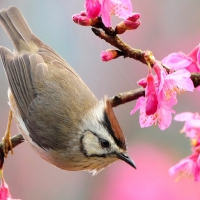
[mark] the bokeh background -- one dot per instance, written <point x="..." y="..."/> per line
<point x="167" y="26"/>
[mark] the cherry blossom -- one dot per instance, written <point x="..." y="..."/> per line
<point x="179" y="60"/>
<point x="160" y="96"/>
<point x="106" y="8"/>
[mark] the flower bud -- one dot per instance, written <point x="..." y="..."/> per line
<point x="134" y="17"/>
<point x="130" y="23"/>
<point x="109" y="54"/>
<point x="82" y="19"/>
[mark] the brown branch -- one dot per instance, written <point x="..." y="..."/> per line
<point x="127" y="50"/>
<point x="115" y="101"/>
<point x="195" y="79"/>
<point x="16" y="140"/>
<point x="126" y="97"/>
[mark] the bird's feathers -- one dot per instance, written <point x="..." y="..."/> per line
<point x="113" y="125"/>
<point x="47" y="90"/>
<point x="53" y="103"/>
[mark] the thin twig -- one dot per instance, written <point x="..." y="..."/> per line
<point x="127" y="50"/>
<point x="126" y="97"/>
<point x="16" y="140"/>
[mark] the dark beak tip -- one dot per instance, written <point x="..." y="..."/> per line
<point x="134" y="166"/>
<point x="127" y="159"/>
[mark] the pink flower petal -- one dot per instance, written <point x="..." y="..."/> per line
<point x="188" y="166"/>
<point x="164" y="117"/>
<point x="198" y="56"/>
<point x="183" y="116"/>
<point x="122" y="8"/>
<point x="93" y="8"/>
<point x="177" y="61"/>
<point x="106" y="12"/>
<point x="152" y="101"/>
<point x="181" y="79"/>
<point x="139" y="103"/>
<point x="4" y="191"/>
<point x="106" y="8"/>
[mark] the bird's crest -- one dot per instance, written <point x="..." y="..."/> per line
<point x="113" y="125"/>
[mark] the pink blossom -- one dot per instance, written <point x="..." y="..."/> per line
<point x="189" y="166"/>
<point x="4" y="191"/>
<point x="106" y="8"/>
<point x="93" y="8"/>
<point x="179" y="60"/>
<point x="160" y="96"/>
<point x="192" y="124"/>
<point x="162" y="116"/>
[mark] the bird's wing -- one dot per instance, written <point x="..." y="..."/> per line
<point x="49" y="96"/>
<point x="19" y="77"/>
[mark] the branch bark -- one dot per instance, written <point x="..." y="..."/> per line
<point x="126" y="97"/>
<point x="116" y="41"/>
<point x="16" y="140"/>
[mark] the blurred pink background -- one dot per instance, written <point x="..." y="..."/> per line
<point x="167" y="26"/>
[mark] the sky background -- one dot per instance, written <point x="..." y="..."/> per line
<point x="167" y="26"/>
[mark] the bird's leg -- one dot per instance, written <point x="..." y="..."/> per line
<point x="6" y="140"/>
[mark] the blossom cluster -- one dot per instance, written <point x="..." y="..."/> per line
<point x="162" y="88"/>
<point x="160" y="95"/>
<point x="106" y="8"/>
<point x="190" y="166"/>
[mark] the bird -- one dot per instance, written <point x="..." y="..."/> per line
<point x="54" y="110"/>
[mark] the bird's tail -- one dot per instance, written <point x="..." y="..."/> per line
<point x="18" y="30"/>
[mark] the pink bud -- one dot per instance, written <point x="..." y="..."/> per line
<point x="81" y="19"/>
<point x="83" y="13"/>
<point x="75" y="18"/>
<point x="108" y="55"/>
<point x="134" y="17"/>
<point x="131" y="25"/>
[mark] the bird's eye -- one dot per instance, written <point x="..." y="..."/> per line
<point x="104" y="143"/>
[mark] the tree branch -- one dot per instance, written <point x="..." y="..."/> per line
<point x="126" y="97"/>
<point x="195" y="77"/>
<point x="16" y="140"/>
<point x="115" y="101"/>
<point x="127" y="50"/>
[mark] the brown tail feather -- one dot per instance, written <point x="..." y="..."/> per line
<point x="18" y="30"/>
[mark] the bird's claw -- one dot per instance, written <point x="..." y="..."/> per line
<point x="7" y="144"/>
<point x="6" y="140"/>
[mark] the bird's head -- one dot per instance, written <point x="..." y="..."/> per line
<point x="103" y="141"/>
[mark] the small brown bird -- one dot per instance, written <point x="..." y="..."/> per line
<point x="53" y="108"/>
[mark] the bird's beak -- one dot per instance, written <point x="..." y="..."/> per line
<point x="126" y="158"/>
